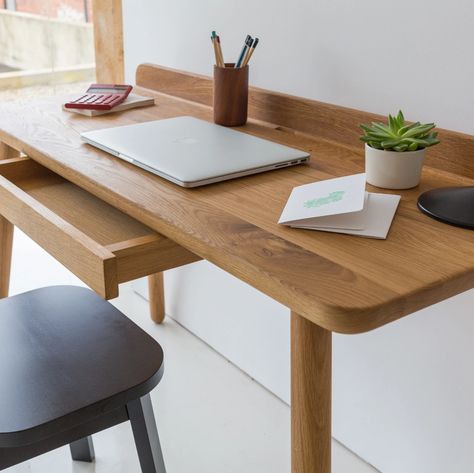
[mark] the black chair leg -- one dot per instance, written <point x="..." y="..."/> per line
<point x="146" y="437"/>
<point x="83" y="449"/>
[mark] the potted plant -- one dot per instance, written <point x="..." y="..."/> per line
<point x="394" y="152"/>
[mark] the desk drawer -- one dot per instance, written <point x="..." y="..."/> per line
<point x="97" y="242"/>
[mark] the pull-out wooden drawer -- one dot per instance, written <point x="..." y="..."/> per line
<point x="98" y="243"/>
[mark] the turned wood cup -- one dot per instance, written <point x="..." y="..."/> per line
<point x="231" y="90"/>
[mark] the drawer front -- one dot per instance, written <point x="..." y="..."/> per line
<point x="91" y="262"/>
<point x="98" y="243"/>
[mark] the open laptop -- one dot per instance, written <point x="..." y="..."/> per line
<point x="192" y="152"/>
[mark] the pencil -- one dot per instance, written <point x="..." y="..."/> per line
<point x="219" y="50"/>
<point x="214" y="44"/>
<point x="216" y="50"/>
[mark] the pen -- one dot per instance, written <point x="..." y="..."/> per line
<point x="244" y="62"/>
<point x="248" y="40"/>
<point x="250" y="52"/>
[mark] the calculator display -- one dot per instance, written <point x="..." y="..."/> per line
<point x="109" y="90"/>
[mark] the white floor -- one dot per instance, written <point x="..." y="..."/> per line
<point x="212" y="418"/>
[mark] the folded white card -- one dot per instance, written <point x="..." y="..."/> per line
<point x="330" y="197"/>
<point x="341" y="205"/>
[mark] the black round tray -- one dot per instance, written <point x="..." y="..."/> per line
<point x="453" y="205"/>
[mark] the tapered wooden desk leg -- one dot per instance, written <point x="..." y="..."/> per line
<point x="6" y="244"/>
<point x="156" y="294"/>
<point x="6" y="233"/>
<point x="311" y="362"/>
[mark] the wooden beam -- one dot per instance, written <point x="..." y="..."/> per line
<point x="108" y="39"/>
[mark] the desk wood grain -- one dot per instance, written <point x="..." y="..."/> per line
<point x="342" y="283"/>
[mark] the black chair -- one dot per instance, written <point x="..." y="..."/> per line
<point x="72" y="365"/>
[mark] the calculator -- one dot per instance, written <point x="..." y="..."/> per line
<point x="101" y="97"/>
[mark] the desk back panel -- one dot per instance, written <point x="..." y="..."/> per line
<point x="331" y="122"/>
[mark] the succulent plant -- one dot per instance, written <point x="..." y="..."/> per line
<point x="398" y="136"/>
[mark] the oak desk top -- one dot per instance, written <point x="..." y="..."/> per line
<point x="343" y="283"/>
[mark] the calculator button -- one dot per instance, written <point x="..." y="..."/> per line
<point x="98" y="99"/>
<point x="90" y="99"/>
<point x="79" y="99"/>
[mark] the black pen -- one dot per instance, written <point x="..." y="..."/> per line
<point x="250" y="52"/>
<point x="248" y="42"/>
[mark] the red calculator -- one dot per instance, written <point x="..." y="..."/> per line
<point x="101" y="97"/>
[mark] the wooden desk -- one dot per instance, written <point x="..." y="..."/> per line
<point x="330" y="282"/>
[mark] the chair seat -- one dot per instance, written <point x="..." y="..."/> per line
<point x="67" y="356"/>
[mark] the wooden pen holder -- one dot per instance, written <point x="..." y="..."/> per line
<point x="231" y="90"/>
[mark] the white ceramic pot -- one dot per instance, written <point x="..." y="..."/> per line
<point x="393" y="169"/>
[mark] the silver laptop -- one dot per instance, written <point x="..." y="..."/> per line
<point x="192" y="152"/>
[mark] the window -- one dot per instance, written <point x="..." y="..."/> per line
<point x="46" y="47"/>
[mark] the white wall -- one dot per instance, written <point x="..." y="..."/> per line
<point x="403" y="395"/>
<point x="369" y="54"/>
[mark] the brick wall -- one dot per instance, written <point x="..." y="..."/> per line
<point x="63" y="9"/>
